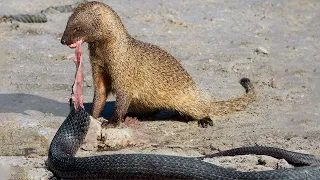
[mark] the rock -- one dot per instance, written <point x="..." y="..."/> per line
<point x="109" y="138"/>
<point x="93" y="136"/>
<point x="15" y="26"/>
<point x="273" y="83"/>
<point x="261" y="50"/>
<point x="283" y="164"/>
<point x="114" y="138"/>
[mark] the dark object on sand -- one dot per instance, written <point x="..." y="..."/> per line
<point x="40" y="17"/>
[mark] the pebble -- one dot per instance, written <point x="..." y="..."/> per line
<point x="261" y="50"/>
<point x="43" y="132"/>
<point x="116" y="138"/>
<point x="93" y="136"/>
<point x="273" y="83"/>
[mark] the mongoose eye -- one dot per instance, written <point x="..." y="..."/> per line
<point x="76" y="29"/>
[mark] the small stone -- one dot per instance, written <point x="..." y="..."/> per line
<point x="30" y="152"/>
<point x="261" y="50"/>
<point x="93" y="136"/>
<point x="115" y="138"/>
<point x="43" y="132"/>
<point x="273" y="83"/>
<point x="282" y="164"/>
<point x="15" y="26"/>
<point x="261" y="161"/>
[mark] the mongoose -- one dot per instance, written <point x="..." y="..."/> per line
<point x="143" y="77"/>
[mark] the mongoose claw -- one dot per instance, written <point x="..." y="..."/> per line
<point x="112" y="123"/>
<point x="204" y="122"/>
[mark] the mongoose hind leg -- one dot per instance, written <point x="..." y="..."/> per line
<point x="102" y="86"/>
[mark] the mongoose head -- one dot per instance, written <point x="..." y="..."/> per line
<point x="85" y="24"/>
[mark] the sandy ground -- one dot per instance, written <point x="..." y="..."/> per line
<point x="216" y="41"/>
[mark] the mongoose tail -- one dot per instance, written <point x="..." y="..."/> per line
<point x="219" y="108"/>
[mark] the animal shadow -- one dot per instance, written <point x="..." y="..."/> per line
<point x="108" y="112"/>
<point x="20" y="102"/>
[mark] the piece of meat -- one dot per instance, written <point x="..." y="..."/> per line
<point x="131" y="121"/>
<point x="77" y="90"/>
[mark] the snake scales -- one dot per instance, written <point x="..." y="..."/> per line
<point x="63" y="163"/>
<point x="41" y="17"/>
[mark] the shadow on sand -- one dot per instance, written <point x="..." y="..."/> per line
<point x="20" y="102"/>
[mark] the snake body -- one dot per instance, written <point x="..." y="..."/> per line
<point x="294" y="158"/>
<point x="27" y="18"/>
<point x="41" y="17"/>
<point x="66" y="142"/>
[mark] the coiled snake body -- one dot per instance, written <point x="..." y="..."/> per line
<point x="63" y="163"/>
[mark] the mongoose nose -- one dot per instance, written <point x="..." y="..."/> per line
<point x="63" y="41"/>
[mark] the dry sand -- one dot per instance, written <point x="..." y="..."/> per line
<point x="273" y="42"/>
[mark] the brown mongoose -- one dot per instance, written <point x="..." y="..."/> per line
<point x="143" y="77"/>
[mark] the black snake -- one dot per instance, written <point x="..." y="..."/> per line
<point x="63" y="163"/>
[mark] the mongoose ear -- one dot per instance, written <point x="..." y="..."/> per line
<point x="80" y="5"/>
